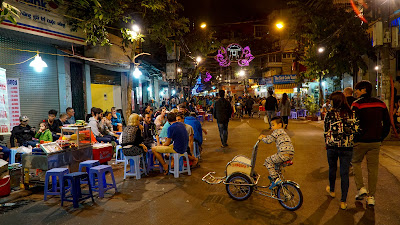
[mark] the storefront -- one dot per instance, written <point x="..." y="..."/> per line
<point x="285" y="84"/>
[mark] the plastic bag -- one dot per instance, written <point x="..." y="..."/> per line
<point x="24" y="149"/>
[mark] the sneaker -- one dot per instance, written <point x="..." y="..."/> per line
<point x="361" y="193"/>
<point x="343" y="205"/>
<point x="328" y="189"/>
<point x="277" y="182"/>
<point x="371" y="201"/>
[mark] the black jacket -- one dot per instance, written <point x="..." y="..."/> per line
<point x="271" y="104"/>
<point x="350" y="100"/>
<point x="22" y="134"/>
<point x="373" y="118"/>
<point x="222" y="110"/>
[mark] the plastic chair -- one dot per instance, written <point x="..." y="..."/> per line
<point x="119" y="155"/>
<point x="54" y="173"/>
<point x="200" y="118"/>
<point x="179" y="166"/>
<point x="76" y="195"/>
<point x="134" y="168"/>
<point x="88" y="164"/>
<point x="97" y="175"/>
<point x="150" y="162"/>
<point x="293" y="115"/>
<point x="196" y="150"/>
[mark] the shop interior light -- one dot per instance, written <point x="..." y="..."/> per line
<point x="137" y="73"/>
<point x="173" y="92"/>
<point x="149" y="88"/>
<point x="38" y="64"/>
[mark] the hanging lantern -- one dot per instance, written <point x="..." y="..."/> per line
<point x="38" y="64"/>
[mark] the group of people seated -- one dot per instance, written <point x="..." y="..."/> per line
<point x="162" y="132"/>
<point x="105" y="126"/>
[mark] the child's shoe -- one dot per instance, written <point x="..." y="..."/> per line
<point x="277" y="182"/>
<point x="328" y="189"/>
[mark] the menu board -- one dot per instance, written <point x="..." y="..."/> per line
<point x="4" y="115"/>
<point x="13" y="101"/>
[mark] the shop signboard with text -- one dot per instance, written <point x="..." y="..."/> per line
<point x="43" y="18"/>
<point x="4" y="115"/>
<point x="13" y="101"/>
<point x="285" y="79"/>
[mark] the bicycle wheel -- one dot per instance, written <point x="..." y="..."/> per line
<point x="239" y="192"/>
<point x="291" y="196"/>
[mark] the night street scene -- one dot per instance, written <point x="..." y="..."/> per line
<point x="199" y="112"/>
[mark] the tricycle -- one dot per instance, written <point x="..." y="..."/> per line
<point x="241" y="180"/>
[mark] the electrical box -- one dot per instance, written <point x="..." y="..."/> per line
<point x="377" y="34"/>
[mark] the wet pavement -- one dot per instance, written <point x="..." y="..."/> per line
<point x="161" y="199"/>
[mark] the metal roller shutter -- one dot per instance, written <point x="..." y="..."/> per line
<point x="38" y="91"/>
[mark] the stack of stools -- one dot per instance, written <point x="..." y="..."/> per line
<point x="179" y="166"/>
<point x="134" y="168"/>
<point x="76" y="195"/>
<point x="150" y="162"/>
<point x="87" y="164"/>
<point x="97" y="177"/>
<point x="54" y="174"/>
<point x="210" y="118"/>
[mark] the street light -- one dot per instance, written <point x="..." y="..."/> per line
<point x="198" y="59"/>
<point x="279" y="25"/>
<point x="376" y="68"/>
<point x="38" y="64"/>
<point x="137" y="73"/>
<point x="242" y="73"/>
<point x="321" y="49"/>
<point x="179" y="70"/>
<point x="203" y="25"/>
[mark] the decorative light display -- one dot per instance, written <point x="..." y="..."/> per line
<point x="208" y="78"/>
<point x="234" y="52"/>
<point x="357" y="11"/>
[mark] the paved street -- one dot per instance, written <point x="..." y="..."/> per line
<point x="188" y="200"/>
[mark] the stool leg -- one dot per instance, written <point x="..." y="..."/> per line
<point x="113" y="180"/>
<point x="125" y="162"/>
<point x="144" y="166"/>
<point x="76" y="192"/>
<point x="101" y="185"/>
<point x="53" y="183"/>
<point x="176" y="166"/>
<point x="46" y="186"/>
<point x="63" y="194"/>
<point x="188" y="165"/>
<point x="137" y="168"/>
<point x="90" y="191"/>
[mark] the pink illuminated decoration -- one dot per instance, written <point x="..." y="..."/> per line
<point x="208" y="78"/>
<point x="234" y="53"/>
<point x="357" y="11"/>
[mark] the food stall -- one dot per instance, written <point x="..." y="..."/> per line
<point x="74" y="147"/>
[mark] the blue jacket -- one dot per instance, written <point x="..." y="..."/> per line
<point x="198" y="132"/>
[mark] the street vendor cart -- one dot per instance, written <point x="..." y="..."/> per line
<point x="74" y="147"/>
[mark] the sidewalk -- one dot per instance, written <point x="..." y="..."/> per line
<point x="390" y="152"/>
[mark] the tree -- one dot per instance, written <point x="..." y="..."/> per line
<point x="8" y="11"/>
<point x="344" y="38"/>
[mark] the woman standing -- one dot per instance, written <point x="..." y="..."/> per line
<point x="340" y="126"/>
<point x="285" y="107"/>
<point x="132" y="140"/>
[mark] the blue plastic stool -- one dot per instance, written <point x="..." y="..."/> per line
<point x="150" y="163"/>
<point x="13" y="154"/>
<point x="293" y="115"/>
<point x="134" y="168"/>
<point x="54" y="173"/>
<point x="88" y="164"/>
<point x="196" y="150"/>
<point x="179" y="166"/>
<point x="98" y="173"/>
<point x="119" y="155"/>
<point x="200" y="118"/>
<point x="210" y="118"/>
<point x="76" y="192"/>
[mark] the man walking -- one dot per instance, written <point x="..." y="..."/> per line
<point x="271" y="106"/>
<point x="222" y="113"/>
<point x="374" y="127"/>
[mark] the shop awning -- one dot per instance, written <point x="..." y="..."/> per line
<point x="284" y="88"/>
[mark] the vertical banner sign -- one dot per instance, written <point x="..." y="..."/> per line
<point x="4" y="115"/>
<point x="13" y="101"/>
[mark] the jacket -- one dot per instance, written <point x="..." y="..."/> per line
<point x="285" y="108"/>
<point x="374" y="119"/>
<point x="222" y="110"/>
<point x="44" y="136"/>
<point x="340" y="129"/>
<point x="198" y="132"/>
<point x="22" y="134"/>
<point x="271" y="104"/>
<point x="94" y="125"/>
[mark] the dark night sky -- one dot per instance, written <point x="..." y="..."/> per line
<point x="226" y="11"/>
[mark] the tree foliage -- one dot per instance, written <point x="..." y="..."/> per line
<point x="344" y="37"/>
